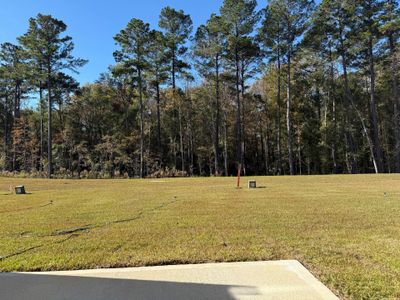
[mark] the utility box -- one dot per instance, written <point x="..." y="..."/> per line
<point x="20" y="190"/>
<point x="252" y="184"/>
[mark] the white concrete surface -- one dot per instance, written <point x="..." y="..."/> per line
<point x="226" y="281"/>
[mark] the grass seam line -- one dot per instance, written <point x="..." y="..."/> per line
<point x="27" y="208"/>
<point x="86" y="228"/>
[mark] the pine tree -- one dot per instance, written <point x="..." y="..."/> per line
<point x="135" y="42"/>
<point x="270" y="35"/>
<point x="157" y="74"/>
<point x="240" y="18"/>
<point x="295" y="15"/>
<point x="368" y="15"/>
<point x="177" y="27"/>
<point x="52" y="53"/>
<point x="209" y="48"/>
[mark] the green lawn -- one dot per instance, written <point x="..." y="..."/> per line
<point x="345" y="229"/>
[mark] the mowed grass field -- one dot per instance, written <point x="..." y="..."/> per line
<point x="345" y="229"/>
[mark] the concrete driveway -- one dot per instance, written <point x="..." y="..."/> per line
<point x="226" y="281"/>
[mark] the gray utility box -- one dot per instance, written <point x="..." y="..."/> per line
<point x="20" y="190"/>
<point x="252" y="184"/>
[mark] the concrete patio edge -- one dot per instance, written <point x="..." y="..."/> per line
<point x="243" y="280"/>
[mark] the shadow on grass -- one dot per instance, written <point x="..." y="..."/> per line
<point x="259" y="187"/>
<point x="26" y="286"/>
<point x="13" y="194"/>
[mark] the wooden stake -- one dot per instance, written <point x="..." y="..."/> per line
<point x="238" y="175"/>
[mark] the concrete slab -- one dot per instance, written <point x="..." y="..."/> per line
<point x="226" y="281"/>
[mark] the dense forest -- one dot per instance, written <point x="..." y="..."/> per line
<point x="296" y="88"/>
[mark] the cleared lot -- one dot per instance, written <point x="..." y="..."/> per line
<point x="345" y="229"/>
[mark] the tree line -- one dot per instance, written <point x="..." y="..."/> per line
<point x="294" y="88"/>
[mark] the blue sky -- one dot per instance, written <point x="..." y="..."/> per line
<point x="92" y="24"/>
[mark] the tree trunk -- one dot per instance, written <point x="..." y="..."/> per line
<point x="242" y="91"/>
<point x="49" y="128"/>
<point x="349" y="140"/>
<point x="173" y="69"/>
<point x="288" y="115"/>
<point x="159" y="150"/>
<point x="300" y="159"/>
<point x="226" y="147"/>
<point x="181" y="138"/>
<point x="191" y="146"/>
<point x="334" y="142"/>
<point x="377" y="150"/>
<point x="16" y="114"/>
<point x="265" y="146"/>
<point x="6" y="132"/>
<point x="141" y="122"/>
<point x="238" y="112"/>
<point x="41" y="167"/>
<point x="278" y="118"/>
<point x="334" y="115"/>
<point x="265" y="139"/>
<point x="217" y="119"/>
